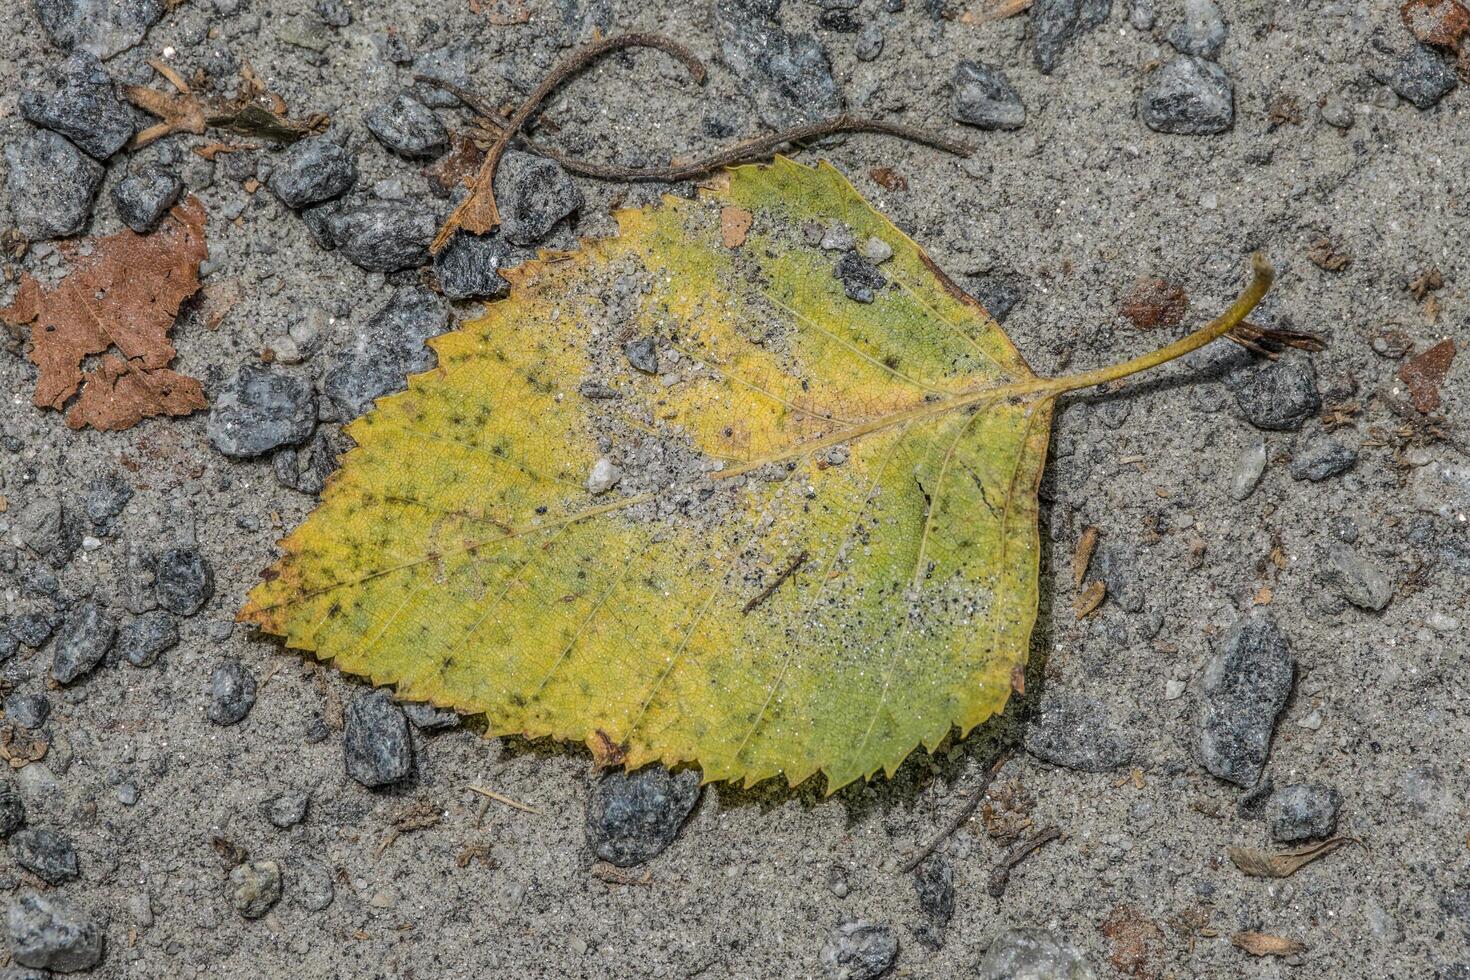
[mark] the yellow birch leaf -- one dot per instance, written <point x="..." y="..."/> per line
<point x="806" y="542"/>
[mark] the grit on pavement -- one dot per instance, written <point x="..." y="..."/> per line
<point x="1279" y="660"/>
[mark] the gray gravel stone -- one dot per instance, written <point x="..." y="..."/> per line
<point x="47" y="854"/>
<point x="1250" y="465"/>
<point x="183" y="580"/>
<point x="1303" y="811"/>
<point x="375" y="740"/>
<point x="861" y="280"/>
<point x="999" y="292"/>
<point x="1202" y="32"/>
<point x="1357" y="580"/>
<point x="306" y="469"/>
<point x="103" y="27"/>
<point x="49" y="933"/>
<point x="29" y="711"/>
<point x="1032" y="954"/>
<point x="934" y="887"/>
<point x="632" y="817"/>
<point x="643" y="354"/>
<point x="231" y="693"/>
<point x="408" y="127"/>
<point x="787" y="76"/>
<point x="260" y="410"/>
<point x="1141" y="15"/>
<point x="1055" y="24"/>
<point x="1075" y="732"/>
<point x="385" y="350"/>
<point x="106" y="497"/>
<point x="1117" y="566"/>
<point x="12" y="809"/>
<point x="140" y="641"/>
<point x="1277" y="395"/>
<point x="78" y="101"/>
<point x="984" y="97"/>
<point x="383" y="236"/>
<point x="83" y="640"/>
<point x="427" y="718"/>
<point x="143" y="198"/>
<point x="34" y="628"/>
<point x="1245" y="686"/>
<point x="533" y="194"/>
<point x="468" y="267"/>
<point x="255" y="886"/>
<point x="1188" y="96"/>
<point x="1322" y="457"/>
<point x="311" y="171"/>
<point x="51" y="184"/>
<point x="9" y="643"/>
<point x="47" y="528"/>
<point x="859" y="950"/>
<point x="287" y="810"/>
<point x="1423" y="77"/>
<point x="869" y="43"/>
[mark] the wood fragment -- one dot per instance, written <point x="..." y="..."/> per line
<point x="1001" y="876"/>
<point x="770" y="590"/>
<point x="1264" y="944"/>
<point x="962" y="817"/>
<point x="614" y="875"/>
<point x="1264" y="864"/>
<point x="1425" y="372"/>
<point x="1082" y="556"/>
<point x="1090" y="598"/>
<point x="501" y="798"/>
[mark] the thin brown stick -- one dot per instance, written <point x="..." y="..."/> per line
<point x="747" y="150"/>
<point x="1001" y="876"/>
<point x="966" y="812"/>
<point x="490" y="794"/>
<point x="770" y="590"/>
<point x="477" y="212"/>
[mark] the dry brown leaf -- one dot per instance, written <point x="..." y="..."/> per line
<point x="1325" y="256"/>
<point x="1153" y="303"/>
<point x="1425" y="372"/>
<point x="1264" y="864"/>
<point x="1090" y="598"/>
<point x="20" y="748"/>
<point x="1426" y="282"/>
<point x="1264" y="944"/>
<point x="453" y="168"/>
<point x="1082" y="557"/>
<point x="889" y="179"/>
<point x="734" y="226"/>
<point x="119" y="300"/>
<point x="1440" y="22"/>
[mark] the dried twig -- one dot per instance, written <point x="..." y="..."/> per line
<point x="477" y="213"/>
<point x="770" y="590"/>
<point x="1001" y="876"/>
<point x="966" y="812"/>
<point x="501" y="798"/>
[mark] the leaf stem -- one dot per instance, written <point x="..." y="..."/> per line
<point x="1215" y="329"/>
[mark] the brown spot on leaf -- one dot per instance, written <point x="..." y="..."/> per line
<point x="734" y="226"/>
<point x="1154" y="303"/>
<point x="119" y="299"/>
<point x="1425" y="372"/>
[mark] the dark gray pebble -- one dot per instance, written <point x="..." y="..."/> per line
<point x="49" y="933"/>
<point x="375" y="741"/>
<point x="1322" y="457"/>
<point x="51" y="183"/>
<point x="29" y="711"/>
<point x="259" y="410"/>
<point x="34" y="628"/>
<point x="427" y="718"/>
<point x="860" y="278"/>
<point x="47" y="854"/>
<point x="106" y="497"/>
<point x="12" y="809"/>
<point x="231" y="693"/>
<point x="311" y="171"/>
<point x="533" y="194"/>
<point x="1202" y="31"/>
<point x="468" y="267"/>
<point x="183" y="580"/>
<point x="83" y="640"/>
<point x="1277" y="395"/>
<point x="633" y="817"/>
<point x="1423" y="77"/>
<point x="859" y="950"/>
<point x="984" y="97"/>
<point x="1303" y="811"/>
<point x="1245" y="686"/>
<point x="934" y="887"/>
<point x="1056" y="24"/>
<point x="449" y="64"/>
<point x="385" y="350"/>
<point x="143" y="198"/>
<point x="1188" y="96"/>
<point x="103" y="27"/>
<point x="643" y="354"/>
<point x="787" y="76"/>
<point x="140" y="641"/>
<point x="383" y="236"/>
<point x="78" y="101"/>
<point x="287" y="810"/>
<point x="408" y="127"/>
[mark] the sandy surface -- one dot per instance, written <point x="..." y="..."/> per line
<point x="1079" y="203"/>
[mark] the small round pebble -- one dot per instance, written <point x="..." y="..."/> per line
<point x="231" y="693"/>
<point x="255" y="886"/>
<point x="859" y="950"/>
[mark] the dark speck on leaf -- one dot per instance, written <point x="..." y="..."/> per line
<point x="860" y="278"/>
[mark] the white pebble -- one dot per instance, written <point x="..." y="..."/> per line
<point x="877" y="251"/>
<point x="604" y="476"/>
